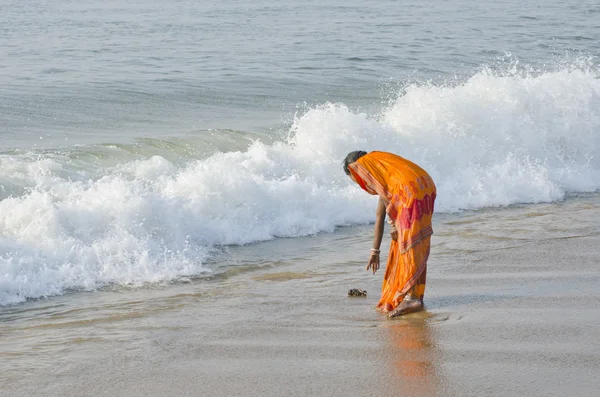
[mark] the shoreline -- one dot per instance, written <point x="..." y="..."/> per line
<point x="516" y="315"/>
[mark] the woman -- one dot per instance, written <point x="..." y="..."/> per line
<point x="406" y="193"/>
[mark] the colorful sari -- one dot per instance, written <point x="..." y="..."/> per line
<point x="409" y="194"/>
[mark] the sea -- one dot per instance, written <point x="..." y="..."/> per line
<point x="150" y="148"/>
<point x="140" y="139"/>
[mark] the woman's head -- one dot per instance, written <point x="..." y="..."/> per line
<point x="351" y="158"/>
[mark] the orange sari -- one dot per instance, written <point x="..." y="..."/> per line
<point x="409" y="194"/>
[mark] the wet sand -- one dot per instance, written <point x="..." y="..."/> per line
<point x="513" y="308"/>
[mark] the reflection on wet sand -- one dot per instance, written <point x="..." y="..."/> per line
<point x="414" y="355"/>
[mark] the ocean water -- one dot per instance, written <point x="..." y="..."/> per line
<point x="140" y="141"/>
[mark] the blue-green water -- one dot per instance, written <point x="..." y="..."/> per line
<point x="75" y="72"/>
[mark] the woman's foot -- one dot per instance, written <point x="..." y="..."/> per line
<point x="406" y="307"/>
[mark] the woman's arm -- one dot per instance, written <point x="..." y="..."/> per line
<point x="377" y="236"/>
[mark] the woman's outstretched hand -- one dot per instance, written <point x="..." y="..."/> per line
<point x="373" y="263"/>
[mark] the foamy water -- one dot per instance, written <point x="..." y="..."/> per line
<point x="496" y="138"/>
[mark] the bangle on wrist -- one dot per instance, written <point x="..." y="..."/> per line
<point x="391" y="222"/>
<point x="375" y="251"/>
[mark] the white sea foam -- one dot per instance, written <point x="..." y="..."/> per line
<point x="491" y="140"/>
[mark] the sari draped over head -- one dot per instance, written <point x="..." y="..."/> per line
<point x="409" y="194"/>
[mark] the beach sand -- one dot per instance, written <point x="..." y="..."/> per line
<point x="513" y="308"/>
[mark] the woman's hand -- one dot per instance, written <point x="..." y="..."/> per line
<point x="373" y="263"/>
<point x="394" y="233"/>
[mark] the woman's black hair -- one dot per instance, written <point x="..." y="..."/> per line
<point x="351" y="158"/>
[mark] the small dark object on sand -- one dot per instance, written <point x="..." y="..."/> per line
<point x="357" y="292"/>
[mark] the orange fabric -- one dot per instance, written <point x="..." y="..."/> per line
<point x="409" y="194"/>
